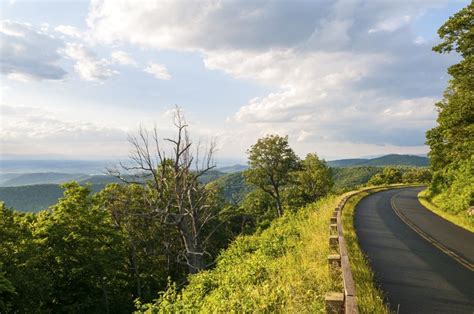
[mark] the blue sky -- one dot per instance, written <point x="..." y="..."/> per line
<point x="341" y="78"/>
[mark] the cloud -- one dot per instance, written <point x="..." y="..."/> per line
<point x="29" y="54"/>
<point x="121" y="57"/>
<point x="32" y="130"/>
<point x="69" y="30"/>
<point x="391" y="24"/>
<point x="87" y="65"/>
<point x="158" y="70"/>
<point x="340" y="71"/>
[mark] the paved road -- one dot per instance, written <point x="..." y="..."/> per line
<point x="414" y="271"/>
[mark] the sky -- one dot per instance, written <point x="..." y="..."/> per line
<point x="341" y="78"/>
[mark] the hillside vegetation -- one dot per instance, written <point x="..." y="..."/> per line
<point x="282" y="269"/>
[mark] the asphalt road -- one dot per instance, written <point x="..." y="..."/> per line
<point x="426" y="270"/>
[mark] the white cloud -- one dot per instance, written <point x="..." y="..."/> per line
<point x="69" y="30"/>
<point x="328" y="75"/>
<point x="32" y="130"/>
<point x="121" y="57"/>
<point x="87" y="65"/>
<point x="391" y="24"/>
<point x="158" y="70"/>
<point x="29" y="54"/>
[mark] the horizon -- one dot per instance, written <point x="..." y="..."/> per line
<point x="348" y="80"/>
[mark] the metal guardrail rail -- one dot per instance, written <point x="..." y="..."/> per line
<point x="346" y="301"/>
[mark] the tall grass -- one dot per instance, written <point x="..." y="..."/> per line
<point x="282" y="269"/>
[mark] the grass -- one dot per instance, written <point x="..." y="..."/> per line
<point x="460" y="220"/>
<point x="369" y="296"/>
<point x="282" y="269"/>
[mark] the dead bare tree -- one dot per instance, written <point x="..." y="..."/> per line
<point x="178" y="198"/>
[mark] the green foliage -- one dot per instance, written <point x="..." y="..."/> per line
<point x="389" y="175"/>
<point x="416" y="175"/>
<point x="271" y="160"/>
<point x="232" y="187"/>
<point x="83" y="254"/>
<point x="25" y="287"/>
<point x="151" y="246"/>
<point x="349" y="178"/>
<point x="312" y="181"/>
<point x="457" y="195"/>
<point x="282" y="269"/>
<point x="452" y="140"/>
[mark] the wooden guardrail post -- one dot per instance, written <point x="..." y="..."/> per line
<point x="334" y="302"/>
<point x="337" y="302"/>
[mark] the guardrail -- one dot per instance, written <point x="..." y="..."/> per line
<point x="346" y="301"/>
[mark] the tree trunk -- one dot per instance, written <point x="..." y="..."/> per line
<point x="194" y="254"/>
<point x="278" y="202"/>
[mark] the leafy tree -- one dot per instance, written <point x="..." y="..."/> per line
<point x="310" y="183"/>
<point x="271" y="160"/>
<point x="389" y="175"/>
<point x="416" y="175"/>
<point x="152" y="247"/>
<point x="452" y="140"/>
<point x="83" y="254"/>
<point x="25" y="286"/>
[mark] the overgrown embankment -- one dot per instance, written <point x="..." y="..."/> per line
<point x="459" y="218"/>
<point x="284" y="268"/>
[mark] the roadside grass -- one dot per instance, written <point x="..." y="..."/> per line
<point x="369" y="296"/>
<point x="282" y="269"/>
<point x="460" y="219"/>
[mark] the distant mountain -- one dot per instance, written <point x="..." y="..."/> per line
<point x="387" y="160"/>
<point x="43" y="178"/>
<point x="61" y="166"/>
<point x="33" y="198"/>
<point x="346" y="162"/>
<point x="22" y="179"/>
<point x="232" y="169"/>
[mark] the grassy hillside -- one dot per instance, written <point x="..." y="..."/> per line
<point x="387" y="160"/>
<point x="33" y="198"/>
<point x="282" y="269"/>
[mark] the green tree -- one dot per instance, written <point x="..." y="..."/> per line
<point x="21" y="261"/>
<point x="310" y="183"/>
<point x="452" y="140"/>
<point x="389" y="175"/>
<point x="417" y="175"/>
<point x="271" y="160"/>
<point x="152" y="247"/>
<point x="83" y="254"/>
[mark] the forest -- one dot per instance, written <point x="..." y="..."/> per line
<point x="165" y="240"/>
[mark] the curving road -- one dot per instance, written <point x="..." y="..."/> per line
<point x="423" y="263"/>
